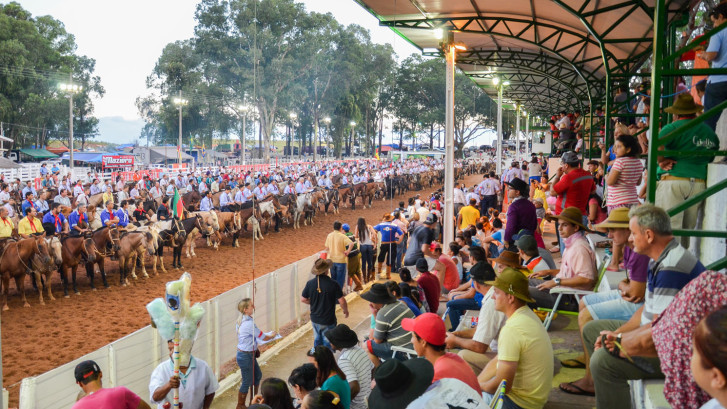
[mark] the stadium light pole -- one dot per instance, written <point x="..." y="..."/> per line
<point x="180" y="102"/>
<point x="70" y="89"/>
<point x="517" y="131"/>
<point x="527" y="133"/>
<point x="243" y="137"/>
<point x="353" y="125"/>
<point x="293" y="116"/>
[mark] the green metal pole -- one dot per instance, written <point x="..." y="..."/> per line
<point x="655" y="113"/>
<point x="607" y="114"/>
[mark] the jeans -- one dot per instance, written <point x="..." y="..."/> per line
<point x="610" y="305"/>
<point x="611" y="374"/>
<point x="544" y="299"/>
<point x="367" y="258"/>
<point x="400" y="251"/>
<point x="458" y="307"/>
<point x="715" y="93"/>
<point x="338" y="273"/>
<point x="488" y="201"/>
<point x="246" y="361"/>
<point x="318" y="338"/>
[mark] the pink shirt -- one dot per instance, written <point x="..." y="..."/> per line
<point x="451" y="276"/>
<point x="578" y="260"/>
<point x="109" y="398"/>
<point x="452" y="365"/>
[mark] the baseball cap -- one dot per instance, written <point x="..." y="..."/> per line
<point x="482" y="272"/>
<point x="86" y="369"/>
<point x="346" y="227"/>
<point x="570" y="157"/>
<point x="428" y="326"/>
<point x="429" y="219"/>
<point x="526" y="243"/>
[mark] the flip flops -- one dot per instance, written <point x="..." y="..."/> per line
<point x="578" y="390"/>
<point x="572" y="363"/>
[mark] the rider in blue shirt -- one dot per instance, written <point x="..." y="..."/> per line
<point x="108" y="217"/>
<point x="206" y="203"/>
<point x="28" y="202"/>
<point x="225" y="200"/>
<point x="122" y="215"/>
<point x="55" y="218"/>
<point x="77" y="216"/>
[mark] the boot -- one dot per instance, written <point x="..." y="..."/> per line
<point x="357" y="281"/>
<point x="388" y="273"/>
<point x="241" y="398"/>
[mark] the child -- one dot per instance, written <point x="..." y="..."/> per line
<point x="354" y="259"/>
<point x="493" y="244"/>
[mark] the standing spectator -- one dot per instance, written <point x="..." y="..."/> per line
<point x="401" y="222"/>
<point x="353" y="260"/>
<point x="572" y="186"/>
<point x="354" y="363"/>
<point x="330" y="377"/>
<point x="366" y="236"/>
<point x="525" y="353"/>
<point x="489" y="188"/>
<point x="88" y="376"/>
<point x="322" y="293"/>
<point x="468" y="215"/>
<point x="391" y="235"/>
<point x="197" y="389"/>
<point x="419" y="241"/>
<point x="338" y="245"/>
<point x="248" y="336"/>
<point x="685" y="177"/>
<point x="716" y="53"/>
<point x="387" y="331"/>
<point x="521" y="212"/>
<point x="428" y="337"/>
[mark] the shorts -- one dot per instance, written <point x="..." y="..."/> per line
<point x="609" y="305"/>
<point x="387" y="252"/>
<point x="354" y="265"/>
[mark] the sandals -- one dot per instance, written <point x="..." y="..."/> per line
<point x="572" y="363"/>
<point x="578" y="390"/>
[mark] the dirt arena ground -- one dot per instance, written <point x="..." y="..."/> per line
<point x="40" y="338"/>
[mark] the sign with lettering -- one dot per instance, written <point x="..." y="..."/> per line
<point x="117" y="161"/>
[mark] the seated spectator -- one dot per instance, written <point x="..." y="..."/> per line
<point x="461" y="299"/>
<point x="475" y="342"/>
<point x="508" y="259"/>
<point x="618" y="304"/>
<point x="428" y="337"/>
<point x="274" y="393"/>
<point x="404" y="294"/>
<point x="709" y="357"/>
<point x="446" y="268"/>
<point x="320" y="399"/>
<point x="429" y="283"/>
<point x="390" y="392"/>
<point x="303" y="382"/>
<point x="578" y="265"/>
<point x="329" y="376"/>
<point x="449" y="393"/>
<point x="528" y="252"/>
<point x="525" y="354"/>
<point x="493" y="243"/>
<point x="353" y="362"/>
<point x="388" y="331"/>
<point x="673" y="267"/>
<point x="416" y="290"/>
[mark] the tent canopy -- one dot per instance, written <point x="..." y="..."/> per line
<point x="38" y="153"/>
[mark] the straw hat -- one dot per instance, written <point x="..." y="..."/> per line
<point x="684" y="105"/>
<point x="571" y="215"/>
<point x="618" y="219"/>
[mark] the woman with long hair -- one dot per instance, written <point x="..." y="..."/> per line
<point x="322" y="400"/>
<point x="709" y="357"/>
<point x="330" y="377"/>
<point x="303" y="381"/>
<point x="275" y="393"/>
<point x="366" y="237"/>
<point x="248" y="335"/>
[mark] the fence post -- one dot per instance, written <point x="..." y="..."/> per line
<point x="297" y="291"/>
<point x="275" y="300"/>
<point x="218" y="346"/>
<point x="112" y="365"/>
<point x="27" y="393"/>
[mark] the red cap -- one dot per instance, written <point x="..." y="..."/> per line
<point x="428" y="326"/>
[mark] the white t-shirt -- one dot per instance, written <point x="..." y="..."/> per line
<point x="198" y="382"/>
<point x="449" y="393"/>
<point x="489" y="323"/>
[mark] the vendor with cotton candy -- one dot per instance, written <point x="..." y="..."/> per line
<point x="183" y="380"/>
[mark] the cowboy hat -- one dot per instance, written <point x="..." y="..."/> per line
<point x="341" y="336"/>
<point x="508" y="258"/>
<point x="378" y="294"/>
<point x="513" y="282"/>
<point x="321" y="266"/>
<point x="519" y="185"/>
<point x="684" y="105"/>
<point x="618" y="219"/>
<point x="388" y="217"/>
<point x="571" y="215"/>
<point x="400" y="383"/>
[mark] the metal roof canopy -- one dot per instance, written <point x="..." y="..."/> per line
<point x="566" y="47"/>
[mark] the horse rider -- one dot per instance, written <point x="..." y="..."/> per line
<point x="108" y="218"/>
<point x="357" y="179"/>
<point x="96" y="187"/>
<point x="83" y="197"/>
<point x="226" y="200"/>
<point x="139" y="215"/>
<point x="123" y="193"/>
<point x="78" y="220"/>
<point x="54" y="222"/>
<point x="344" y="180"/>
<point x="30" y="224"/>
<point x="156" y="191"/>
<point x="163" y="210"/>
<point x="307" y="183"/>
<point x="300" y="186"/>
<point x="206" y="204"/>
<point x="170" y="189"/>
<point x="6" y="228"/>
<point x="260" y="191"/>
<point x="63" y="198"/>
<point x="108" y="193"/>
<point x="4" y="193"/>
<point x="28" y="203"/>
<point x="289" y="189"/>
<point x="246" y="193"/>
<point x="122" y="215"/>
<point x="29" y="188"/>
<point x="273" y="189"/>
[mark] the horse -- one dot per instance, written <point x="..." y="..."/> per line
<point x="209" y="219"/>
<point x="94" y="219"/>
<point x="187" y="225"/>
<point x="267" y="210"/>
<point x="15" y="262"/>
<point x="72" y="248"/>
<point x="192" y="198"/>
<point x="359" y="190"/>
<point x="131" y="246"/>
<point x="101" y="238"/>
<point x="347" y="193"/>
<point x="302" y="205"/>
<point x="157" y="231"/>
<point x="230" y="223"/>
<point x="46" y="269"/>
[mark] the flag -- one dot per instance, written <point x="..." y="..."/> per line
<point x="204" y="152"/>
<point x="177" y="205"/>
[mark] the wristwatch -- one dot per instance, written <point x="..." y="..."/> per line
<point x="556" y="280"/>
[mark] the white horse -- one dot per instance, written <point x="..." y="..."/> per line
<point x="302" y="203"/>
<point x="209" y="219"/>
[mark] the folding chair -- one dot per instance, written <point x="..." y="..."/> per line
<point x="409" y="353"/>
<point x="498" y="399"/>
<point x="572" y="291"/>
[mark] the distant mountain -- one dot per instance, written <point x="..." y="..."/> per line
<point x="118" y="130"/>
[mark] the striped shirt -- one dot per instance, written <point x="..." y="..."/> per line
<point x="388" y="324"/>
<point x="674" y="269"/>
<point x="355" y="363"/>
<point x="624" y="191"/>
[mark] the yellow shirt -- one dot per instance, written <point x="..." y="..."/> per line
<point x="469" y="214"/>
<point x="107" y="196"/>
<point x="337" y="242"/>
<point x="25" y="228"/>
<point x="6" y="228"/>
<point x="524" y="340"/>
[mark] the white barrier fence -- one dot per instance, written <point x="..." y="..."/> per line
<point x="130" y="360"/>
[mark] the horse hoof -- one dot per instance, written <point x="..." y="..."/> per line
<point x="93" y="289"/>
<point x="79" y="293"/>
<point x="42" y="303"/>
<point x="6" y="308"/>
<point x="123" y="285"/>
<point x="146" y="275"/>
<point x="26" y="305"/>
<point x="66" y="296"/>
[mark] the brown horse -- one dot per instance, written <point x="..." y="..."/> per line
<point x="359" y="190"/>
<point x="15" y="262"/>
<point x="347" y="193"/>
<point x="101" y="238"/>
<point x="230" y="224"/>
<point x="46" y="269"/>
<point x="131" y="246"/>
<point x="73" y="247"/>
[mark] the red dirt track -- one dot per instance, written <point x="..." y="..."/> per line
<point x="40" y="338"/>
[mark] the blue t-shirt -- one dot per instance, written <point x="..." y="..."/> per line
<point x="74" y="217"/>
<point x="498" y="235"/>
<point x="413" y="307"/>
<point x="718" y="44"/>
<point x="340" y="387"/>
<point x="388" y="232"/>
<point x="49" y="218"/>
